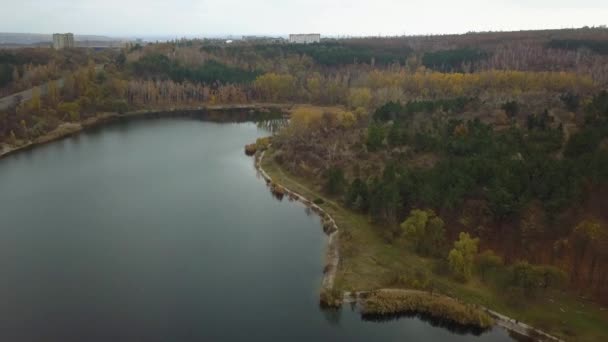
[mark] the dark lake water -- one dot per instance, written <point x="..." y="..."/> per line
<point x="160" y="230"/>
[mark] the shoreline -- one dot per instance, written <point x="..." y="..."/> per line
<point x="332" y="250"/>
<point x="332" y="255"/>
<point x="507" y="323"/>
<point x="67" y="129"/>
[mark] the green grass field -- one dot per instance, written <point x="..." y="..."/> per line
<point x="368" y="262"/>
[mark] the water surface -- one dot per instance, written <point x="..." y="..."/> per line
<point x="160" y="230"/>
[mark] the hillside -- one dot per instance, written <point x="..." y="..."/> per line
<point x="501" y="136"/>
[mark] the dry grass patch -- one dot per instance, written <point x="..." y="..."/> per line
<point x="395" y="302"/>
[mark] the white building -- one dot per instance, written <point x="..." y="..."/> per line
<point x="305" y="38"/>
<point x="63" y="40"/>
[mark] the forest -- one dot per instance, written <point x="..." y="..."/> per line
<point x="483" y="148"/>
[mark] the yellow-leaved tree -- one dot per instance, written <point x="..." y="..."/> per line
<point x="462" y="256"/>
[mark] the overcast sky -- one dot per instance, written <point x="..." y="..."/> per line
<point x="328" y="17"/>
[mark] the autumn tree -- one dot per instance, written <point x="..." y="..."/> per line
<point x="70" y="110"/>
<point x="52" y="93"/>
<point x="360" y="98"/>
<point x="426" y="231"/>
<point x="36" y="102"/>
<point x="314" y="85"/>
<point x="304" y="118"/>
<point x="275" y="87"/>
<point x="588" y="238"/>
<point x="523" y="275"/>
<point x="462" y="256"/>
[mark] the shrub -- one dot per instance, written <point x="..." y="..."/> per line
<point x="277" y="190"/>
<point x="426" y="231"/>
<point x="331" y="298"/>
<point x="250" y="149"/>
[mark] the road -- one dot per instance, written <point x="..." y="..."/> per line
<point x="26" y="95"/>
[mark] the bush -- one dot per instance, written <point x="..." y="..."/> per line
<point x="331" y="299"/>
<point x="250" y="149"/>
<point x="418" y="278"/>
<point x="277" y="190"/>
<point x="531" y="278"/>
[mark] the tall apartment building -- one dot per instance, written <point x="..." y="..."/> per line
<point x="63" y="40"/>
<point x="305" y="38"/>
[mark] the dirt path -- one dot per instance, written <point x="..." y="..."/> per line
<point x="355" y="297"/>
<point x="26" y="95"/>
<point x="501" y="320"/>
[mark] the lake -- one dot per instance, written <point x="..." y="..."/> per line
<point x="160" y="230"/>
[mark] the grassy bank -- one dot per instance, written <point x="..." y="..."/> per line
<point x="394" y="302"/>
<point x="369" y="262"/>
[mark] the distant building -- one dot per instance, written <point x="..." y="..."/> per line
<point x="305" y="38"/>
<point x="63" y="40"/>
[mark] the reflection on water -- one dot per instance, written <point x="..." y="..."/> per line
<point x="273" y="125"/>
<point x="159" y="230"/>
<point x="433" y="321"/>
